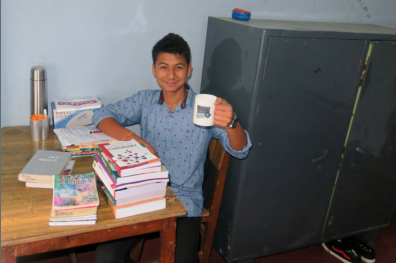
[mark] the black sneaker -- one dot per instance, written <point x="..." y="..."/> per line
<point x="367" y="253"/>
<point x="342" y="250"/>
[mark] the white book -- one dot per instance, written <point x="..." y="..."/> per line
<point x="40" y="185"/>
<point x="73" y="218"/>
<point x="138" y="208"/>
<point x="73" y="223"/>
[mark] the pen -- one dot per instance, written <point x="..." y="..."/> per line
<point x="95" y="132"/>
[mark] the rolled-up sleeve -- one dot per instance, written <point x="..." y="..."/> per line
<point x="221" y="134"/>
<point x="125" y="112"/>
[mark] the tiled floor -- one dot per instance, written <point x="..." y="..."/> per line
<point x="385" y="247"/>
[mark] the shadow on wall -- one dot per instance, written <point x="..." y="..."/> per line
<point x="224" y="74"/>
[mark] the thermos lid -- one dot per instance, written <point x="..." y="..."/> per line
<point x="38" y="73"/>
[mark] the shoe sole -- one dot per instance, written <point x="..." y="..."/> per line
<point x="334" y="254"/>
<point x="368" y="260"/>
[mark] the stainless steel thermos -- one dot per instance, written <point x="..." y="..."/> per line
<point x="38" y="90"/>
<point x="39" y="120"/>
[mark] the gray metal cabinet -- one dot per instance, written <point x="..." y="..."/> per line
<point x="322" y="123"/>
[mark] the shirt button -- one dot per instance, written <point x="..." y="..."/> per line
<point x="169" y="130"/>
<point x="167" y="150"/>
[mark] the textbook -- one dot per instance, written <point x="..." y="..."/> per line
<point x="133" y="198"/>
<point x="72" y="223"/>
<point x="134" y="193"/>
<point x="143" y="176"/>
<point x="44" y="165"/>
<point x="70" y="213"/>
<point x="113" y="170"/>
<point x="126" y="190"/>
<point x="129" y="156"/>
<point x="138" y="208"/>
<point x="75" y="191"/>
<point x="68" y="170"/>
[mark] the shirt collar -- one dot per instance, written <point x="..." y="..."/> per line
<point x="183" y="104"/>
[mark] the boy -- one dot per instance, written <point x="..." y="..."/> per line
<point x="167" y="129"/>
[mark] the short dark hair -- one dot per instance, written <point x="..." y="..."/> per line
<point x="174" y="44"/>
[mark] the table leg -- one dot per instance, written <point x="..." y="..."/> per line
<point x="168" y="241"/>
<point x="8" y="254"/>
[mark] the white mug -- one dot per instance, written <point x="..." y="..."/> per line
<point x="204" y="109"/>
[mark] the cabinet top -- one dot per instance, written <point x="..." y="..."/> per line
<point x="313" y="26"/>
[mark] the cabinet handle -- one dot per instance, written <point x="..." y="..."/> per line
<point x="325" y="153"/>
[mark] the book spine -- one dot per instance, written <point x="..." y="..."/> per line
<point x="107" y="166"/>
<point x="109" y="156"/>
<point x="102" y="177"/>
<point x="104" y="171"/>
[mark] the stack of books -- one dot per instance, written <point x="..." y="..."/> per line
<point x="75" y="200"/>
<point x="82" y="141"/>
<point x="81" y="149"/>
<point x="131" y="177"/>
<point x="39" y="172"/>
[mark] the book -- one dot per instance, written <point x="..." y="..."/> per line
<point x="138" y="208"/>
<point x="73" y="218"/>
<point x="68" y="169"/>
<point x="134" y="198"/>
<point x="43" y="166"/>
<point x="78" y="212"/>
<point x="113" y="170"/>
<point x="69" y="166"/>
<point x="75" y="191"/>
<point x="39" y="185"/>
<point x="82" y="135"/>
<point x="134" y="193"/>
<point x="72" y="223"/>
<point x="118" y="180"/>
<point x="129" y="156"/>
<point x="124" y="190"/>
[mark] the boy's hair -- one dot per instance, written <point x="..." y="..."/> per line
<point x="174" y="44"/>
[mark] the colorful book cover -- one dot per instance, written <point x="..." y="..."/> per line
<point x="75" y="191"/>
<point x="128" y="154"/>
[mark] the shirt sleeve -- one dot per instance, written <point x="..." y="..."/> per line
<point x="221" y="134"/>
<point x="126" y="112"/>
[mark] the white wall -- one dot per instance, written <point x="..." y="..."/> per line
<point x="103" y="48"/>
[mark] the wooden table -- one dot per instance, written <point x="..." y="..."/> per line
<point x="25" y="211"/>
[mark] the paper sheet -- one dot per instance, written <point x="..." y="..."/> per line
<point x="82" y="134"/>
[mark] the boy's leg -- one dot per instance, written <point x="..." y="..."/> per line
<point x="116" y="251"/>
<point x="187" y="239"/>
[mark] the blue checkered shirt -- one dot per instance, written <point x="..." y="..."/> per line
<point x="181" y="144"/>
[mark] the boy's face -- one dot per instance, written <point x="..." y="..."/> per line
<point x="171" y="72"/>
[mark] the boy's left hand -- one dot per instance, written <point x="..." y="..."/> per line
<point x="223" y="113"/>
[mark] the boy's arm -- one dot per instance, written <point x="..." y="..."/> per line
<point x="223" y="115"/>
<point x="112" y="128"/>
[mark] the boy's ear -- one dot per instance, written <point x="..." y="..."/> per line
<point x="153" y="66"/>
<point x="189" y="70"/>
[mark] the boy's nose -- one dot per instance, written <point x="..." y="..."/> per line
<point x="171" y="74"/>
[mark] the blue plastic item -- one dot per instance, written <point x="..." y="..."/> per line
<point x="241" y="14"/>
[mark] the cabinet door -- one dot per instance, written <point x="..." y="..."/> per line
<point x="365" y="194"/>
<point x="307" y="97"/>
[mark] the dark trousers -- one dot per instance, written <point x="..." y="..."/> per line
<point x="187" y="244"/>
